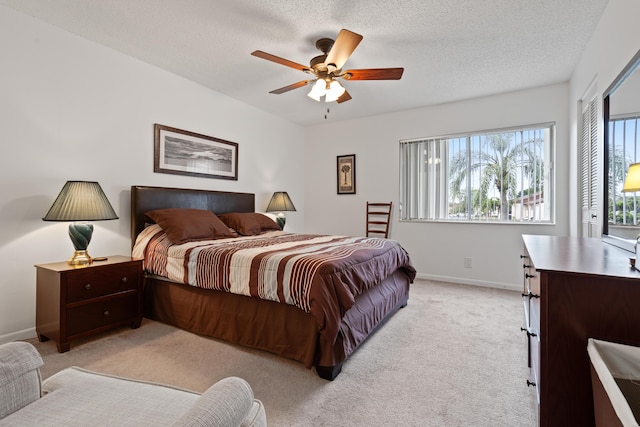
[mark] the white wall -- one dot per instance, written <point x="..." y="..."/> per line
<point x="72" y="109"/>
<point x="612" y="45"/>
<point x="626" y="98"/>
<point x="437" y="249"/>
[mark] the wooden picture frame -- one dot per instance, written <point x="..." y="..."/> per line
<point x="346" y="174"/>
<point x="181" y="152"/>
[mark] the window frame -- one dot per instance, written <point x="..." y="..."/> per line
<point x="614" y="239"/>
<point x="550" y="175"/>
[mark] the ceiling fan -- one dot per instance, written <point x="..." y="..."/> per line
<point x="328" y="67"/>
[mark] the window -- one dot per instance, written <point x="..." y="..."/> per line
<point x="495" y="176"/>
<point x="623" y="209"/>
<point x="621" y="134"/>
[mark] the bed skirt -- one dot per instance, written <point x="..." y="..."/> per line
<point x="278" y="328"/>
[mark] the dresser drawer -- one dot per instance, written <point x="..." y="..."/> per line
<point x="534" y="368"/>
<point x="531" y="304"/>
<point x="526" y="311"/>
<point x="91" y="283"/>
<point x="532" y="281"/>
<point x="534" y="315"/>
<point x="109" y="311"/>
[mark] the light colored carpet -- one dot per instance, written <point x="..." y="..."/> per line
<point x="454" y="356"/>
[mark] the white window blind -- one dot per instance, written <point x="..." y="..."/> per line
<point x="489" y="176"/>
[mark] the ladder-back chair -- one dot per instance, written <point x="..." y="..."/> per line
<point x="378" y="219"/>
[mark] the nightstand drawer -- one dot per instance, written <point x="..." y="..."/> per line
<point x="92" y="283"/>
<point x="102" y="313"/>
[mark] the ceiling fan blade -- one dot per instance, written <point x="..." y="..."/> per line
<point x="291" y="87"/>
<point x="344" y="97"/>
<point x="343" y="47"/>
<point x="374" y="74"/>
<point x="281" y="61"/>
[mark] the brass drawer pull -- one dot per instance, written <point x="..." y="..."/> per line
<point x="106" y="313"/>
<point x="87" y="286"/>
<point x="124" y="279"/>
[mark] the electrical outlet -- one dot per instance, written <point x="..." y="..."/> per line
<point x="467" y="262"/>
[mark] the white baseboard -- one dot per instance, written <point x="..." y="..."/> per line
<point x="24" y="334"/>
<point x="508" y="286"/>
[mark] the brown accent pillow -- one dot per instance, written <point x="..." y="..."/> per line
<point x="249" y="223"/>
<point x="189" y="225"/>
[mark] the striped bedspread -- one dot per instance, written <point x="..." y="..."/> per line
<point x="319" y="274"/>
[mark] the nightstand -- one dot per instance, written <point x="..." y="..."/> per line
<point x="73" y="302"/>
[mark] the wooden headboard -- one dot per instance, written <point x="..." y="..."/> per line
<point x="145" y="199"/>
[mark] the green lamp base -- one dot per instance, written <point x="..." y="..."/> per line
<point x="80" y="235"/>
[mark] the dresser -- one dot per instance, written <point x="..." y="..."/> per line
<point x="574" y="289"/>
<point x="73" y="302"/>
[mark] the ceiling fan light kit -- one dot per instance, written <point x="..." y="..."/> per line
<point x="330" y="89"/>
<point x="334" y="91"/>
<point x="317" y="90"/>
<point x="328" y="67"/>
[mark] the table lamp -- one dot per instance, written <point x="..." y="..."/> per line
<point x="80" y="201"/>
<point x="632" y="184"/>
<point x="632" y="180"/>
<point x="280" y="202"/>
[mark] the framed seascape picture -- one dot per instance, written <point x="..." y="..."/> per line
<point x="347" y="174"/>
<point x="182" y="152"/>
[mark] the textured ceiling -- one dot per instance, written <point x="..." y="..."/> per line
<point x="450" y="49"/>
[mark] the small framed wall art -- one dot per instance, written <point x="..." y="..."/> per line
<point x="182" y="152"/>
<point x="347" y="174"/>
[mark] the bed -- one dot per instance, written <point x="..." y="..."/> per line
<point x="322" y="341"/>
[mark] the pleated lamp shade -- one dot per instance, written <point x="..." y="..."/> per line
<point x="280" y="202"/>
<point x="80" y="201"/>
<point x="632" y="181"/>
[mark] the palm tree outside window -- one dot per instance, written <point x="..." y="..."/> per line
<point x="492" y="176"/>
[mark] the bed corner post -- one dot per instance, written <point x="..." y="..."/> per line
<point x="329" y="372"/>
